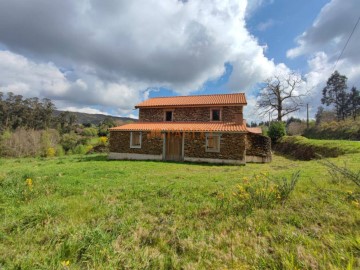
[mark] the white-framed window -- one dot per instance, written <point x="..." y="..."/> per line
<point x="135" y="139"/>
<point x="212" y="142"/>
<point x="215" y="114"/>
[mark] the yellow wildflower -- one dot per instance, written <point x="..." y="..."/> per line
<point x="65" y="263"/>
<point x="29" y="183"/>
<point x="356" y="203"/>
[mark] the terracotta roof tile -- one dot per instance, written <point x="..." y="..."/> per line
<point x="256" y="130"/>
<point x="182" y="126"/>
<point x="220" y="99"/>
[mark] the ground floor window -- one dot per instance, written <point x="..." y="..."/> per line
<point x="135" y="139"/>
<point x="213" y="142"/>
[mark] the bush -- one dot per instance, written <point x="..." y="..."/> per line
<point x="69" y="141"/>
<point x="296" y="128"/>
<point x="103" y="140"/>
<point x="90" y="132"/>
<point x="50" y="152"/>
<point x="303" y="149"/>
<point x="263" y="191"/>
<point x="80" y="149"/>
<point x="59" y="151"/>
<point x="276" y="131"/>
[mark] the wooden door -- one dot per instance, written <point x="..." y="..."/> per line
<point x="173" y="146"/>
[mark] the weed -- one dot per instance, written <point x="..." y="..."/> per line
<point x="339" y="173"/>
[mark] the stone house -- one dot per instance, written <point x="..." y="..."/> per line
<point x="205" y="128"/>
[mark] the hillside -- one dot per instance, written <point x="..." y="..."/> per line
<point x="96" y="118"/>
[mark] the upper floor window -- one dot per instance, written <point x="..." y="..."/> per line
<point x="135" y="139"/>
<point x="215" y="115"/>
<point x="168" y="115"/>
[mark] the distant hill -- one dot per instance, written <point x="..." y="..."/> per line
<point x="95" y="119"/>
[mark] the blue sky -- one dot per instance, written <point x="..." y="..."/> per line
<point x="106" y="57"/>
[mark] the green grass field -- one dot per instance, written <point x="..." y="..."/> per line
<point x="84" y="212"/>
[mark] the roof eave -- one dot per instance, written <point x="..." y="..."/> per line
<point x="183" y="106"/>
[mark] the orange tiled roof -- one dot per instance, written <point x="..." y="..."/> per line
<point x="182" y="126"/>
<point x="220" y="99"/>
<point x="256" y="130"/>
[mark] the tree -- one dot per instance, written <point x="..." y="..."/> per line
<point x="276" y="131"/>
<point x="280" y="94"/>
<point x="335" y="93"/>
<point x="323" y="115"/>
<point x="354" y="102"/>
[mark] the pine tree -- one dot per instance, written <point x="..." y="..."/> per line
<point x="335" y="93"/>
<point x="354" y="102"/>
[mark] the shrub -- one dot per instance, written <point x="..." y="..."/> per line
<point x="69" y="141"/>
<point x="88" y="148"/>
<point x="60" y="151"/>
<point x="339" y="173"/>
<point x="90" y="132"/>
<point x="50" y="152"/>
<point x="276" y="131"/>
<point x="305" y="149"/>
<point x="296" y="128"/>
<point x="263" y="191"/>
<point x="80" y="149"/>
<point x="103" y="140"/>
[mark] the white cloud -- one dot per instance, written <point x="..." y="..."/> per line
<point x="330" y="31"/>
<point x="22" y="76"/>
<point x="111" y="53"/>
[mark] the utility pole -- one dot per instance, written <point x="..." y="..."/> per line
<point x="307" y="115"/>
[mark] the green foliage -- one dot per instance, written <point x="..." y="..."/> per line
<point x="31" y="113"/>
<point x="69" y="141"/>
<point x="90" y="132"/>
<point x="348" y="129"/>
<point x="335" y="93"/>
<point x="276" y="131"/>
<point x="306" y="149"/>
<point x="341" y="172"/>
<point x="59" y="151"/>
<point x="263" y="191"/>
<point x="80" y="149"/>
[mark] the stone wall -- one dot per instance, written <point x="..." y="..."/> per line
<point x="232" y="146"/>
<point x="120" y="143"/>
<point x="188" y="114"/>
<point x="259" y="146"/>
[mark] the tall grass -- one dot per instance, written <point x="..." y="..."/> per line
<point x="84" y="212"/>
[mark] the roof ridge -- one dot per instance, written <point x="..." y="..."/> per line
<point x="199" y="95"/>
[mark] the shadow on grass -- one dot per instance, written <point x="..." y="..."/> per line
<point x="94" y="157"/>
<point x="104" y="157"/>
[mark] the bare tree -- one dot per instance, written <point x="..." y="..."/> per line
<point x="280" y="94"/>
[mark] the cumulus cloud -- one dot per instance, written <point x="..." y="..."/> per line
<point x="90" y="53"/>
<point x="330" y="31"/>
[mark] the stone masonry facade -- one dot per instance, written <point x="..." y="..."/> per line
<point x="259" y="146"/>
<point x="232" y="145"/>
<point x="189" y="114"/>
<point x="150" y="145"/>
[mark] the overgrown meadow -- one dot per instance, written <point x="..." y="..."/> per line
<point x="84" y="212"/>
